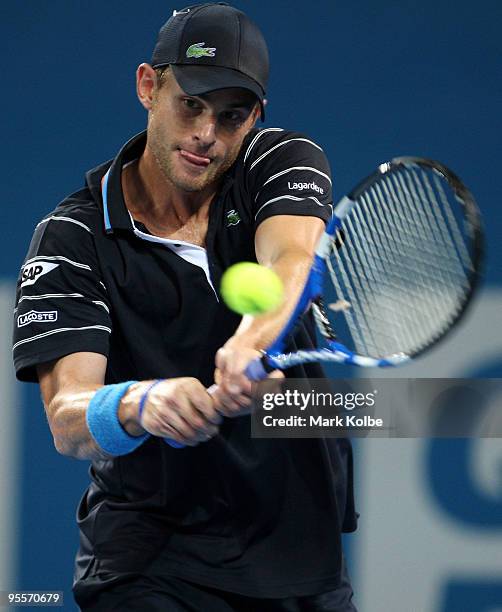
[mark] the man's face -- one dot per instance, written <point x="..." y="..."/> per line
<point x="195" y="140"/>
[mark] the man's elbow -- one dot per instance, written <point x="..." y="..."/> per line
<point x="62" y="446"/>
<point x="66" y="447"/>
<point x="59" y="426"/>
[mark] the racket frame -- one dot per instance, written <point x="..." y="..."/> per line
<point x="333" y="351"/>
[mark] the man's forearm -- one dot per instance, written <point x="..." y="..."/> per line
<point x="69" y="424"/>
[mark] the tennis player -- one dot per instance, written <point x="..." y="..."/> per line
<point x="119" y="319"/>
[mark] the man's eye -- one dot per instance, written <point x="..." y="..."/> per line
<point x="190" y="103"/>
<point x="232" y="117"/>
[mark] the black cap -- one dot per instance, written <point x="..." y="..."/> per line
<point x="213" y="46"/>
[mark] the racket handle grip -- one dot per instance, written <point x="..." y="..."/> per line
<point x="175" y="444"/>
<point x="258" y="369"/>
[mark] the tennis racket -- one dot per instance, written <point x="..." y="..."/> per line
<point x="393" y="273"/>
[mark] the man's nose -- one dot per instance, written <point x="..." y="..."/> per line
<point x="206" y="130"/>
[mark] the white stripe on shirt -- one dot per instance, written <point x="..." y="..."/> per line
<point x="62" y="295"/>
<point x="280" y="145"/>
<point x="68" y="219"/>
<point x="57" y="331"/>
<point x="288" y="197"/>
<point x="255" y="139"/>
<point x="50" y="295"/>
<point x="99" y="303"/>
<point x="57" y="258"/>
<point x="297" y="168"/>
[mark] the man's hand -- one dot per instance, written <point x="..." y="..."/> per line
<point x="180" y="409"/>
<point x="233" y="395"/>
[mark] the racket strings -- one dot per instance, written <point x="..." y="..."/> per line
<point x="439" y="242"/>
<point x="398" y="268"/>
<point x="401" y="250"/>
<point x="413" y="223"/>
<point x="363" y="325"/>
<point x="387" y="276"/>
<point x="413" y="244"/>
<point x="357" y="315"/>
<point x="370" y="325"/>
<point x="457" y="236"/>
<point x="368" y="318"/>
<point x="402" y="263"/>
<point x="446" y="264"/>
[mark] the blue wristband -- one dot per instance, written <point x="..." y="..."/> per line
<point x="103" y="420"/>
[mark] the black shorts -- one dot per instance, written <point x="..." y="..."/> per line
<point x="169" y="594"/>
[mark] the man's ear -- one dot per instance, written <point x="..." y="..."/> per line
<point x="146" y="80"/>
<point x="257" y="112"/>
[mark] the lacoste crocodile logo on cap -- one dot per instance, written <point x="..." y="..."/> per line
<point x="198" y="50"/>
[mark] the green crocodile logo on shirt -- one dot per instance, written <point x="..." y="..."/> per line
<point x="233" y="218"/>
<point x="198" y="50"/>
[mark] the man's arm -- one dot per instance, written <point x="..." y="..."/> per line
<point x="67" y="386"/>
<point x="179" y="408"/>
<point x="286" y="244"/>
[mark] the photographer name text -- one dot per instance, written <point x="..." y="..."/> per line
<point x="338" y="421"/>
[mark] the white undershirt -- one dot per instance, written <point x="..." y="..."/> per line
<point x="192" y="253"/>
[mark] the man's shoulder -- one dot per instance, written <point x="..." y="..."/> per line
<point x="275" y="141"/>
<point x="83" y="206"/>
<point x="68" y="231"/>
<point x="77" y="210"/>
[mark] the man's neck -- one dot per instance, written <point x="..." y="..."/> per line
<point x="152" y="199"/>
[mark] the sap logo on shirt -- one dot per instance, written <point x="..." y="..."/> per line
<point x="302" y="186"/>
<point x="32" y="272"/>
<point x="35" y="316"/>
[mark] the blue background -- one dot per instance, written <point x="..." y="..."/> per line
<point x="368" y="80"/>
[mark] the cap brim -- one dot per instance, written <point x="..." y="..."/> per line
<point x="199" y="80"/>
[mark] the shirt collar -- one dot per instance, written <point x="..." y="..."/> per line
<point x="105" y="182"/>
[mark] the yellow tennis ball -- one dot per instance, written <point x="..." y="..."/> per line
<point x="248" y="288"/>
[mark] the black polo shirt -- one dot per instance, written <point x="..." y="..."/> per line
<point x="258" y="517"/>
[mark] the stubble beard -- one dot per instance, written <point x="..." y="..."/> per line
<point x="164" y="154"/>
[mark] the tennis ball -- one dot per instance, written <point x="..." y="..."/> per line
<point x="248" y="288"/>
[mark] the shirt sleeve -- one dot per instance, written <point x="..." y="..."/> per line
<point x="289" y="174"/>
<point x="61" y="303"/>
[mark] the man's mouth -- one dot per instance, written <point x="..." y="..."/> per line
<point x="194" y="158"/>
